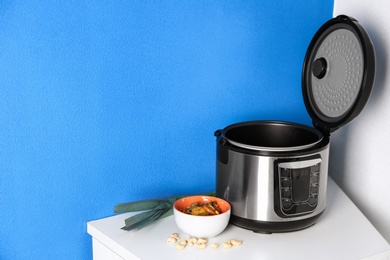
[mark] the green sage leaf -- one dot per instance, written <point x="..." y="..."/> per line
<point x="137" y="205"/>
<point x="143" y="219"/>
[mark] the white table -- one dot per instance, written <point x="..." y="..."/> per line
<point x="342" y="232"/>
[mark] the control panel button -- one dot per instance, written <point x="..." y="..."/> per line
<point x="286" y="193"/>
<point x="313" y="188"/>
<point x="313" y="199"/>
<point x="285" y="173"/>
<point x="286" y="182"/>
<point x="314" y="178"/>
<point x="286" y="203"/>
<point x="315" y="168"/>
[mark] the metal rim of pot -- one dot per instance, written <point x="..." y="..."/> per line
<point x="275" y="136"/>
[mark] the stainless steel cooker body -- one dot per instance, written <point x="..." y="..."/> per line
<point x="274" y="189"/>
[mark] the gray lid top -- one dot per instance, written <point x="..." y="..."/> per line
<point x="342" y="64"/>
<point x="338" y="73"/>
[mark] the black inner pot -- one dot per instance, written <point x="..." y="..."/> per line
<point x="272" y="135"/>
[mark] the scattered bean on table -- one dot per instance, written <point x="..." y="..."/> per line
<point x="201" y="243"/>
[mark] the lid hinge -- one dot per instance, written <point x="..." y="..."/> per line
<point x="325" y="130"/>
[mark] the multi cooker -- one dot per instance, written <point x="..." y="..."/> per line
<point x="274" y="173"/>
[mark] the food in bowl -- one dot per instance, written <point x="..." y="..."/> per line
<point x="205" y="225"/>
<point x="203" y="209"/>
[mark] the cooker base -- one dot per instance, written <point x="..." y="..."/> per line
<point x="266" y="227"/>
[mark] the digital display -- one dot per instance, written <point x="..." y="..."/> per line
<point x="297" y="173"/>
<point x="300" y="184"/>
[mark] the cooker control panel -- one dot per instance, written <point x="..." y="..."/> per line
<point x="296" y="186"/>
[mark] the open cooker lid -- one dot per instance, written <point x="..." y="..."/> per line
<point x="338" y="73"/>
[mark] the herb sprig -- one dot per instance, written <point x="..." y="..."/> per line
<point x="152" y="210"/>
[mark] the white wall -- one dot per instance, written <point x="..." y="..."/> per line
<point x="360" y="151"/>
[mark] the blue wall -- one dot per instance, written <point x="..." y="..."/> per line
<point x="105" y="102"/>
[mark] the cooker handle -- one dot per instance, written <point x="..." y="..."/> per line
<point x="220" y="139"/>
<point x="222" y="150"/>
